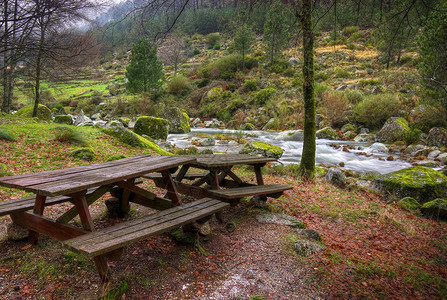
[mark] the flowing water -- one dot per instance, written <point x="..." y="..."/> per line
<point x="326" y="154"/>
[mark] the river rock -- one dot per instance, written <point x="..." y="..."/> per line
<point x="280" y="219"/>
<point x="306" y="248"/>
<point x="327" y="133"/>
<point x="96" y="117"/>
<point x="262" y="148"/>
<point x="214" y="123"/>
<point x="81" y="119"/>
<point x="114" y="123"/>
<point x="63" y="119"/>
<point x="195" y="122"/>
<point x="393" y="130"/>
<point x="378" y="147"/>
<point x="270" y="124"/>
<point x="421" y="183"/>
<point x="178" y="118"/>
<point x="207" y="142"/>
<point x="436" y="209"/>
<point x="433" y="154"/>
<point x="125" y="121"/>
<point x="336" y="177"/>
<point x="156" y="128"/>
<point x="290" y="135"/>
<point x="348" y="127"/>
<point x="417" y="150"/>
<point x="213" y="94"/>
<point x="349" y="135"/>
<point x="294" y="61"/>
<point x="364" y="138"/>
<point x="427" y="163"/>
<point x="16" y="232"/>
<point x="437" y="137"/>
<point x="341" y="87"/>
<point x="443" y="158"/>
<point x="167" y="146"/>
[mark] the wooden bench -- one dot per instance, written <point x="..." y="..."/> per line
<point x="229" y="195"/>
<point x="115" y="237"/>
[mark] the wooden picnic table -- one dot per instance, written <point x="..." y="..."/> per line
<point x="219" y="175"/>
<point x="85" y="184"/>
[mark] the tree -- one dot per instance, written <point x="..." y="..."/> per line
<point x="171" y="52"/>
<point x="244" y="39"/>
<point x="144" y="70"/>
<point x="433" y="54"/>
<point x="276" y="30"/>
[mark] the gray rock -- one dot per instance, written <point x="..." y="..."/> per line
<point x="280" y="219"/>
<point x="364" y="138"/>
<point x="393" y="130"/>
<point x="363" y="130"/>
<point x="348" y="127"/>
<point x="290" y="135"/>
<point x="262" y="148"/>
<point x="258" y="201"/>
<point x="178" y="118"/>
<point x="270" y="124"/>
<point x="417" y="150"/>
<point x="433" y="154"/>
<point x="378" y="147"/>
<point x="16" y="232"/>
<point x="156" y="128"/>
<point x="443" y="158"/>
<point x="437" y="137"/>
<point x="100" y="124"/>
<point x="96" y="117"/>
<point x="87" y="123"/>
<point x="195" y="122"/>
<point x="342" y="87"/>
<point x="436" y="209"/>
<point x="166" y="146"/>
<point x="427" y="163"/>
<point x="294" y="61"/>
<point x="310" y="234"/>
<point x="232" y="143"/>
<point x="209" y="141"/>
<point x="306" y="248"/>
<point x="214" y="123"/>
<point x="349" y="135"/>
<point x="131" y="124"/>
<point x="114" y="123"/>
<point x="81" y="119"/>
<point x="327" y="133"/>
<point x="336" y="177"/>
<point x="376" y="90"/>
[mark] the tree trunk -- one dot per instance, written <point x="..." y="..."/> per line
<point x="39" y="68"/>
<point x="5" y="102"/>
<point x="307" y="164"/>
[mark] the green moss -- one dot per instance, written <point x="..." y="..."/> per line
<point x="263" y="96"/>
<point x="262" y="148"/>
<point x="83" y="153"/>
<point x="43" y="112"/>
<point x="4" y="135"/>
<point x="436" y="208"/>
<point x="116" y="157"/>
<point x="156" y="128"/>
<point x="327" y="133"/>
<point x="403" y="123"/>
<point x="409" y="203"/>
<point x="63" y="119"/>
<point x="4" y="171"/>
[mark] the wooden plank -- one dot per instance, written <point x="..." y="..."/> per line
<point x="39" y="206"/>
<point x="235" y="193"/>
<point x="46" y="226"/>
<point x="189" y="176"/>
<point x="228" y="160"/>
<point x="157" y="203"/>
<point x="107" y="243"/>
<point x="83" y="212"/>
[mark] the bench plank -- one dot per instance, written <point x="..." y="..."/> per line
<point x="189" y="176"/>
<point x="254" y="190"/>
<point x="120" y="235"/>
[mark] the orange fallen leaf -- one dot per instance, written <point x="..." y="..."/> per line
<point x="26" y="247"/>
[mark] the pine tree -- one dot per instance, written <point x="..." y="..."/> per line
<point x="243" y="40"/>
<point x="144" y="71"/>
<point x="276" y="30"/>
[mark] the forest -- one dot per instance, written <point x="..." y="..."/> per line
<point x="350" y="98"/>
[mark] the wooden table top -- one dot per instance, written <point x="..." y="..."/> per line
<point x="71" y="180"/>
<point x="228" y="160"/>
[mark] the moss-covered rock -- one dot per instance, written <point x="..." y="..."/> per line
<point x="409" y="203"/>
<point x="188" y="151"/>
<point x="43" y="112"/>
<point x="63" y="119"/>
<point x="327" y="133"/>
<point x="212" y="94"/>
<point x="437" y="137"/>
<point x="393" y="130"/>
<point x="348" y="127"/>
<point x="83" y="153"/>
<point x="178" y="118"/>
<point x="156" y="128"/>
<point x="131" y="138"/>
<point x="435" y="209"/>
<point x="421" y="183"/>
<point x="262" y="148"/>
<point x="247" y="126"/>
<point x="116" y="157"/>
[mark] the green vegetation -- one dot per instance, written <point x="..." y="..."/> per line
<point x="43" y="112"/>
<point x="374" y="110"/>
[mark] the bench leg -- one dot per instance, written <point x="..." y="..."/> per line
<point x="103" y="269"/>
<point x="260" y="180"/>
<point x="39" y="206"/>
<point x="125" y="207"/>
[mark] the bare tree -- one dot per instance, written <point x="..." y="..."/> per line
<point x="171" y="52"/>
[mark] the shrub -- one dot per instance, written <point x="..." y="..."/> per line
<point x="216" y="46"/>
<point x="65" y="134"/>
<point x="429" y="117"/>
<point x="289" y="72"/>
<point x="263" y="96"/>
<point x="320" y="89"/>
<point x="212" y="39"/>
<point x="374" y="110"/>
<point x="196" y="51"/>
<point x="336" y="106"/>
<point x="116" y="157"/>
<point x="412" y="136"/>
<point x="341" y="73"/>
<point x="208" y="110"/>
<point x="178" y="85"/>
<point x="187" y="151"/>
<point x="250" y="85"/>
<point x="226" y="67"/>
<point x="353" y="96"/>
<point x="366" y="82"/>
<point x="357" y="37"/>
<point x="348" y="30"/>
<point x="321" y="76"/>
<point x="235" y="105"/>
<point x="4" y="135"/>
<point x="279" y="66"/>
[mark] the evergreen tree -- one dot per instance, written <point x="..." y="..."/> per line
<point x="243" y="40"/>
<point x="276" y="30"/>
<point x="144" y="71"/>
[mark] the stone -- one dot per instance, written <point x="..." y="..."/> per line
<point x="436" y="209"/>
<point x="327" y="133"/>
<point x="156" y="128"/>
<point x="214" y="123"/>
<point x="100" y="124"/>
<point x="16" y="232"/>
<point x="247" y="126"/>
<point x="437" y="137"/>
<point x="409" y="203"/>
<point x="114" y="123"/>
<point x="364" y="138"/>
<point x="207" y="142"/>
<point x="178" y="118"/>
<point x="262" y="148"/>
<point x="258" y="201"/>
<point x="113" y="89"/>
<point x="443" y="158"/>
<point x="433" y="154"/>
<point x="336" y="177"/>
<point x="280" y="219"/>
<point x="131" y="138"/>
<point x="96" y="117"/>
<point x="63" y="119"/>
<point x="80" y="118"/>
<point x="306" y="248"/>
<point x="393" y="130"/>
<point x="417" y="150"/>
<point x="213" y="94"/>
<point x="427" y="163"/>
<point x="294" y="61"/>
<point x="195" y="122"/>
<point x="86" y="154"/>
<point x="290" y="136"/>
<point x="125" y="121"/>
<point x="348" y="127"/>
<point x="378" y="147"/>
<point x="310" y="234"/>
<point x="421" y="183"/>
<point x="363" y="130"/>
<point x="349" y="135"/>
<point x="167" y="146"/>
<point x="272" y="123"/>
<point x="376" y="90"/>
<point x="43" y="112"/>
<point x="341" y="87"/>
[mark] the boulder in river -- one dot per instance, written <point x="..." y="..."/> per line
<point x="156" y="128"/>
<point x="262" y="148"/>
<point x="422" y="183"/>
<point x="393" y="130"/>
<point x="378" y="147"/>
<point x="290" y="135"/>
<point x="178" y="118"/>
<point x="327" y="133"/>
<point x="437" y="137"/>
<point x="364" y="138"/>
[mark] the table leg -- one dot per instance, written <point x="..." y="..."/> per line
<point x="171" y="187"/>
<point x="125" y="207"/>
<point x="260" y="180"/>
<point x="38" y="209"/>
<point x="214" y="180"/>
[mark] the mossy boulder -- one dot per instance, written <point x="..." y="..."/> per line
<point x="63" y="119"/>
<point x="327" y="133"/>
<point x="435" y="209"/>
<point x="213" y="94"/>
<point x="156" y="128"/>
<point x="262" y="148"/>
<point x="116" y="157"/>
<point x="393" y="130"/>
<point x="291" y="135"/>
<point x="348" y="127"/>
<point x="247" y="126"/>
<point x="421" y="183"/>
<point x="83" y="153"/>
<point x="409" y="203"/>
<point x="131" y="138"/>
<point x="43" y="112"/>
<point x="437" y="137"/>
<point x="178" y="118"/>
